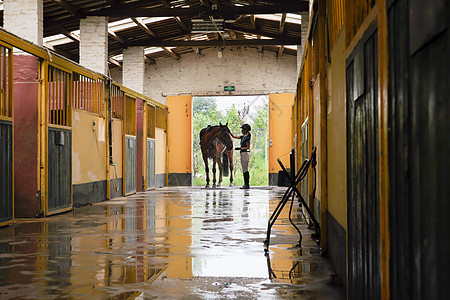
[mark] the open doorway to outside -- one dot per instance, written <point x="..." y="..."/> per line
<point x="234" y="110"/>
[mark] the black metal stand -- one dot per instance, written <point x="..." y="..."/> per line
<point x="292" y="190"/>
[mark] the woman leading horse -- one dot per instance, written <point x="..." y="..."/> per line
<point x="215" y="142"/>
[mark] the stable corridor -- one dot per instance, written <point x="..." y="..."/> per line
<point x="168" y="243"/>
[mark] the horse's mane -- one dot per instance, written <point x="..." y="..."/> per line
<point x="207" y="129"/>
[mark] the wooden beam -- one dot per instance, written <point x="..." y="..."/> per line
<point x="173" y="54"/>
<point x="236" y="27"/>
<point x="180" y="22"/>
<point x="215" y="43"/>
<point x="253" y="21"/>
<point x="144" y="27"/>
<point x="134" y="9"/>
<point x="116" y="37"/>
<point x="281" y="50"/>
<point x="282" y="23"/>
<point x="260" y="48"/>
<point x="126" y="12"/>
<point x="165" y="4"/>
<point x="205" y="3"/>
<point x="149" y="60"/>
<point x="67" y="6"/>
<point x="68" y="34"/>
<point x="114" y="62"/>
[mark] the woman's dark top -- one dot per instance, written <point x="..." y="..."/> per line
<point x="245" y="139"/>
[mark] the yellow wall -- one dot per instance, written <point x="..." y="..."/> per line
<point x="316" y="134"/>
<point x="179" y="133"/>
<point x="117" y="141"/>
<point x="88" y="148"/>
<point x="160" y="151"/>
<point x="337" y="137"/>
<point x="280" y="130"/>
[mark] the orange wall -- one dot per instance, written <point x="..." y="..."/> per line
<point x="179" y="133"/>
<point x="280" y="130"/>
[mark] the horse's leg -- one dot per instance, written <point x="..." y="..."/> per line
<point x="230" y="163"/>
<point x="219" y="163"/>
<point x="205" y="160"/>
<point x="214" y="172"/>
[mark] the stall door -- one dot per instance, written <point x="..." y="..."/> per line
<point x="59" y="141"/>
<point x="130" y="164"/>
<point x="130" y="145"/>
<point x="363" y="196"/>
<point x="59" y="170"/>
<point x="6" y="172"/>
<point x="150" y="163"/>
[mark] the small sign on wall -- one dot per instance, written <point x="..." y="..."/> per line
<point x="229" y="88"/>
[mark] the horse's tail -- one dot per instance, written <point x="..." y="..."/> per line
<point x="225" y="165"/>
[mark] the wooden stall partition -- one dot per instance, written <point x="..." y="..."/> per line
<point x="129" y="151"/>
<point x="150" y="146"/>
<point x="6" y="135"/>
<point x="161" y="147"/>
<point x="58" y="115"/>
<point x="116" y="141"/>
<point x="141" y="142"/>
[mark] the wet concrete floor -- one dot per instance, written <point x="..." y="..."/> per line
<point x="169" y="243"/>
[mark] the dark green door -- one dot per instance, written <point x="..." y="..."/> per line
<point x="362" y="167"/>
<point x="59" y="169"/>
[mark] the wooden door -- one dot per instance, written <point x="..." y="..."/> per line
<point x="363" y="171"/>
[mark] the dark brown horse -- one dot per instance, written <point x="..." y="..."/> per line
<point x="215" y="142"/>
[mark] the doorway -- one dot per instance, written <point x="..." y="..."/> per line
<point x="234" y="110"/>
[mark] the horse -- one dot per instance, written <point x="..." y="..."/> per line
<point x="215" y="141"/>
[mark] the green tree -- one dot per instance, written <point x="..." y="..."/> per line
<point x="204" y="113"/>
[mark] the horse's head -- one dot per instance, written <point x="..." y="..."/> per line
<point x="225" y="137"/>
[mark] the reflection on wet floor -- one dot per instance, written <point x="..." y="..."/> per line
<point x="170" y="243"/>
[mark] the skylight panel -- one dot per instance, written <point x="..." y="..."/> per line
<point x="58" y="39"/>
<point x="290" y="18"/>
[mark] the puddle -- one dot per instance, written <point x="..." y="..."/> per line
<point x="167" y="243"/>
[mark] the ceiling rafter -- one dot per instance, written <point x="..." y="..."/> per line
<point x="124" y="11"/>
<point x="68" y="34"/>
<point x="144" y="27"/>
<point x="149" y="60"/>
<point x="216" y="43"/>
<point x="173" y="54"/>
<point x="69" y="7"/>
<point x="165" y="4"/>
<point x="205" y="3"/>
<point x="282" y="23"/>
<point x="117" y="37"/>
<point x="180" y="22"/>
<point x="153" y="34"/>
<point x="114" y="62"/>
<point x="259" y="32"/>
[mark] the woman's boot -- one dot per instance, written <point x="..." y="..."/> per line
<point x="246" y="180"/>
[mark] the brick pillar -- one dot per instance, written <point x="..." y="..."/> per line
<point x="301" y="48"/>
<point x="133" y="72"/>
<point x="94" y="44"/>
<point x="25" y="18"/>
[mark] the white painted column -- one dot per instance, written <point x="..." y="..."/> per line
<point x="133" y="70"/>
<point x="301" y="48"/>
<point x="94" y="44"/>
<point x="25" y="18"/>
